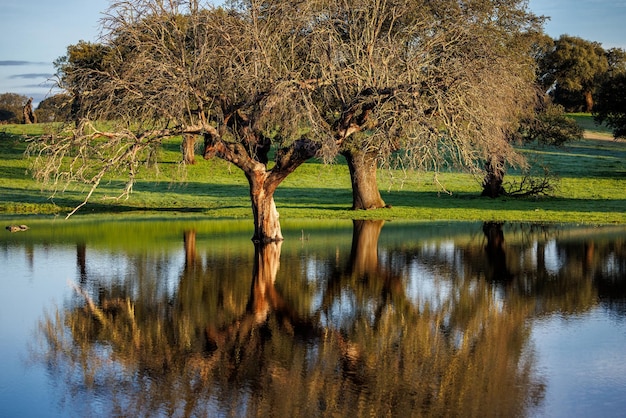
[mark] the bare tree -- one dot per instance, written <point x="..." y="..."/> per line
<point x="428" y="84"/>
<point x="173" y="68"/>
<point x="421" y="82"/>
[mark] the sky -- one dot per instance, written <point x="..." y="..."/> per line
<point x="34" y="33"/>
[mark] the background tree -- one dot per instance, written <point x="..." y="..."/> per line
<point x="548" y="126"/>
<point x="575" y="68"/>
<point x="82" y="71"/>
<point x="616" y="58"/>
<point x="54" y="109"/>
<point x="11" y="107"/>
<point x="611" y="106"/>
<point x="420" y="83"/>
<point x="545" y="124"/>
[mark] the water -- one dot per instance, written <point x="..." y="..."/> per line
<point x="184" y="318"/>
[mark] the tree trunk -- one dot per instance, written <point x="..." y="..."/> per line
<point x="365" y="193"/>
<point x="588" y="101"/>
<point x="266" y="223"/>
<point x="188" y="148"/>
<point x="263" y="182"/>
<point x="494" y="177"/>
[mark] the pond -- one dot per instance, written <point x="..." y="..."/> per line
<point x="344" y="318"/>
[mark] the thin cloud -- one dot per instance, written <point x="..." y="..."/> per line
<point x="31" y="76"/>
<point x="15" y="63"/>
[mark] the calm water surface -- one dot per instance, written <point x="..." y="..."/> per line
<point x="366" y="318"/>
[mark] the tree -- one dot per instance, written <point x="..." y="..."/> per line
<point x="11" y="107"/>
<point x="575" y="67"/>
<point x="547" y="125"/>
<point x="616" y="58"/>
<point x="54" y="108"/>
<point x="426" y="83"/>
<point x="421" y="83"/>
<point x="81" y="72"/>
<point x="611" y="106"/>
<point x="234" y="76"/>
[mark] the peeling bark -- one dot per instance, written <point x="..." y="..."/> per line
<point x="266" y="223"/>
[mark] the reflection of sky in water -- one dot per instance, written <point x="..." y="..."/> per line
<point x="583" y="360"/>
<point x="551" y="254"/>
<point x="165" y="269"/>
<point x="313" y="272"/>
<point x="425" y="284"/>
<point x="31" y="282"/>
<point x="425" y="287"/>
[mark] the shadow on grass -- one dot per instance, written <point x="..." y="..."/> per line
<point x="12" y="173"/>
<point x="13" y="146"/>
<point x="472" y="201"/>
<point x="584" y="159"/>
<point x="196" y="197"/>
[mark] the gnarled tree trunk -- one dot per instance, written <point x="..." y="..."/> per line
<point x="266" y="223"/>
<point x="494" y="178"/>
<point x="29" y="115"/>
<point x="365" y="193"/>
<point x="263" y="181"/>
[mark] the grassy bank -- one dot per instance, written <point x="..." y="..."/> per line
<point x="592" y="189"/>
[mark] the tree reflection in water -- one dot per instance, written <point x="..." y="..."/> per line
<point x="355" y="342"/>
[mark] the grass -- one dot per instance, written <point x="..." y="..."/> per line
<point x="592" y="189"/>
<point x="585" y="121"/>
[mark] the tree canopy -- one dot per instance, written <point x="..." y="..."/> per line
<point x="611" y="107"/>
<point x="54" y="108"/>
<point x="574" y="67"/>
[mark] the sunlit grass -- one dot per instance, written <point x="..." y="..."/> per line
<point x="592" y="189"/>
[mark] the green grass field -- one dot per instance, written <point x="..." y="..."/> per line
<point x="592" y="189"/>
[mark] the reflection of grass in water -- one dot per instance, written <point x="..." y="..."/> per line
<point x="591" y="189"/>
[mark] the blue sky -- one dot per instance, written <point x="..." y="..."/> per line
<point x="34" y="33"/>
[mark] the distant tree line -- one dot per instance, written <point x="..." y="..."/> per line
<point x="52" y="109"/>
